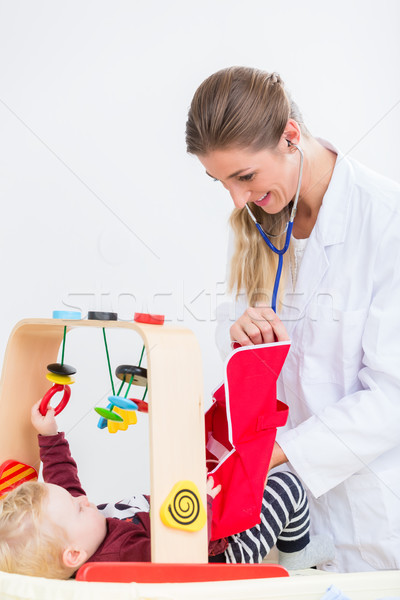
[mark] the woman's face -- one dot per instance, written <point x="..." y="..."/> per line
<point x="266" y="177"/>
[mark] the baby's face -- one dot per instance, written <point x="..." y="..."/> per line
<point x="83" y="523"/>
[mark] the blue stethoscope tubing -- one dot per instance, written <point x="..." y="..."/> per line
<point x="289" y="227"/>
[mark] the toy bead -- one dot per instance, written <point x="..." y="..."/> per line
<point x="13" y="473"/>
<point x="129" y="418"/>
<point x="125" y="404"/>
<point x="125" y="373"/>
<point x="102" y="423"/>
<point x="95" y="315"/>
<point x="108" y="414"/>
<point x="50" y="393"/>
<point x="142" y="406"/>
<point x="60" y="369"/>
<point x="150" y="319"/>
<point x="67" y="314"/>
<point x="60" y="379"/>
<point x="183" y="509"/>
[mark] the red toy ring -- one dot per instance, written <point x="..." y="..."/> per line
<point x="57" y="387"/>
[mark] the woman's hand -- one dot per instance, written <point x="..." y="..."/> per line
<point x="45" y="425"/>
<point x="258" y="325"/>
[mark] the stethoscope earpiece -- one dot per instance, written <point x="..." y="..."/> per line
<point x="292" y="146"/>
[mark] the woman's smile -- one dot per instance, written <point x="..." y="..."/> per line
<point x="264" y="200"/>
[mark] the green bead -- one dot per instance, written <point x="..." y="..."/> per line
<point x="108" y="414"/>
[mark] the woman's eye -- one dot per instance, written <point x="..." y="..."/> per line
<point x="248" y="177"/>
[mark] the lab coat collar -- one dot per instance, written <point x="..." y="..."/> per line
<point x="330" y="228"/>
<point x="331" y="224"/>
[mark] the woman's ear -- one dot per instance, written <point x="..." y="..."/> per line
<point x="74" y="558"/>
<point x="292" y="132"/>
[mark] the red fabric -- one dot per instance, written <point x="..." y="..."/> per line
<point x="243" y="421"/>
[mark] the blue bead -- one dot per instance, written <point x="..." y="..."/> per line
<point x="67" y="314"/>
<point x="102" y="424"/>
<point x="122" y="403"/>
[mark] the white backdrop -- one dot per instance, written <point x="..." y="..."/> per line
<point x="101" y="207"/>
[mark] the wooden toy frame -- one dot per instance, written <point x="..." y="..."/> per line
<point x="176" y="416"/>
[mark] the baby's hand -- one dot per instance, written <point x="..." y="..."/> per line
<point x="211" y="490"/>
<point x="45" y="425"/>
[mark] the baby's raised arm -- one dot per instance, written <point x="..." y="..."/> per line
<point x="44" y="425"/>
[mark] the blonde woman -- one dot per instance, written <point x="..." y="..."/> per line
<point x="338" y="302"/>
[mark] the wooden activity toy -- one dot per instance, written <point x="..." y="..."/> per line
<point x="178" y="471"/>
<point x="172" y="355"/>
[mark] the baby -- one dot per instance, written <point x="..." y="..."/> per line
<point x="51" y="529"/>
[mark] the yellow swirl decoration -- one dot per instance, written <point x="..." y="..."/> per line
<point x="183" y="509"/>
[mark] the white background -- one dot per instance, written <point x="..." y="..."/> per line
<point x="101" y="207"/>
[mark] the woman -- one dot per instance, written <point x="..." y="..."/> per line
<point x="338" y="303"/>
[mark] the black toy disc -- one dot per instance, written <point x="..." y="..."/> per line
<point x="60" y="369"/>
<point x="125" y="372"/>
<point x="95" y="315"/>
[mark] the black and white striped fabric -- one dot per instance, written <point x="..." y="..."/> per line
<point x="285" y="521"/>
<point x="126" y="508"/>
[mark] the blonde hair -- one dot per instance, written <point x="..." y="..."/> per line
<point x="245" y="108"/>
<point x="27" y="546"/>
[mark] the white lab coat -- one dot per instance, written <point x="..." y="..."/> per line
<point x="341" y="379"/>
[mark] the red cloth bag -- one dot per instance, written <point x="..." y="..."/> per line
<point x="240" y="433"/>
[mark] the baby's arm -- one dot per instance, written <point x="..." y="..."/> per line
<point x="211" y="490"/>
<point x="44" y="424"/>
<point x="216" y="546"/>
<point x="58" y="465"/>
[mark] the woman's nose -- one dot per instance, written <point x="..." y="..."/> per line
<point x="239" y="197"/>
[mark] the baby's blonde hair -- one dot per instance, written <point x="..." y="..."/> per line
<point x="28" y="544"/>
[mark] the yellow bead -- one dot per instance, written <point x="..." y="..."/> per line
<point x="60" y="379"/>
<point x="183" y="508"/>
<point x="129" y="418"/>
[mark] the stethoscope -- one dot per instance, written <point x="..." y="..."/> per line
<point x="288" y="229"/>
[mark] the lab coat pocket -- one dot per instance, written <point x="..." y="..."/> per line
<point x="373" y="529"/>
<point x="332" y="350"/>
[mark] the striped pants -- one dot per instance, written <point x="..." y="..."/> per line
<point x="285" y="521"/>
